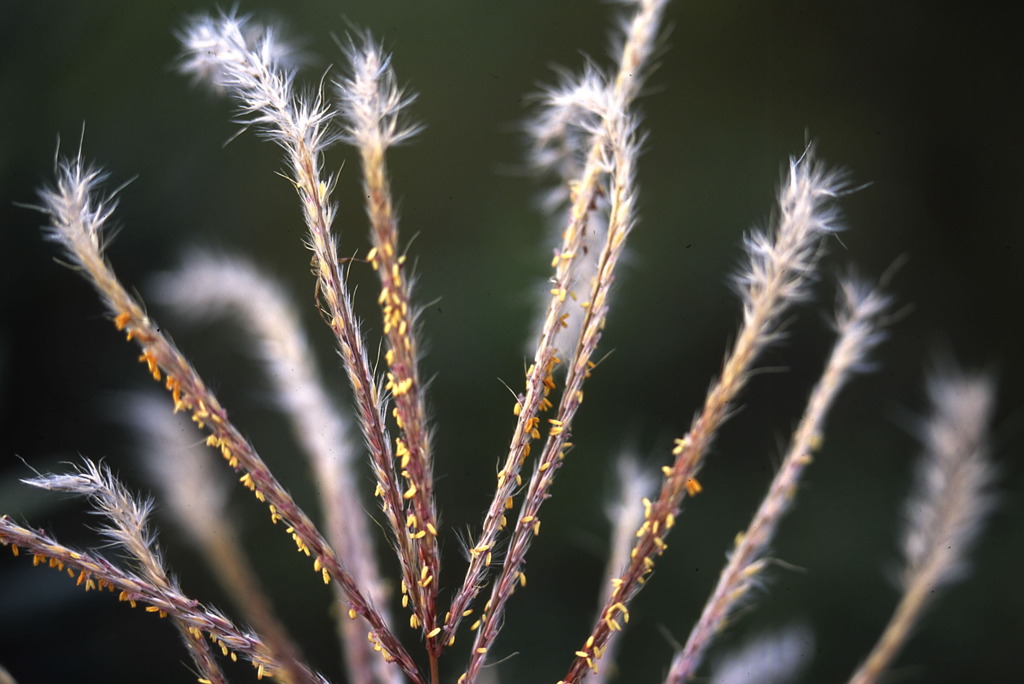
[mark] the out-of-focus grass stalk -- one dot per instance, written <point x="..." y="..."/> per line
<point x="950" y="500"/>
<point x="208" y="285"/>
<point x="773" y="658"/>
<point x="182" y="470"/>
<point x="79" y="214"/>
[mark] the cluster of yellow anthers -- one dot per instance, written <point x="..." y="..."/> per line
<point x="548" y="382"/>
<point x="425" y="579"/>
<point x="652" y="525"/>
<point x="201" y="414"/>
<point x="412" y="449"/>
<point x="83" y="578"/>
<point x="396" y="309"/>
<point x="658" y="520"/>
<point x="261" y="669"/>
<point x="532" y="430"/>
<point x="693" y="487"/>
<point x="95" y="574"/>
<point x="372" y="637"/>
<point x="590" y="655"/>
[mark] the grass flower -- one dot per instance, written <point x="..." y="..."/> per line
<point x="586" y="139"/>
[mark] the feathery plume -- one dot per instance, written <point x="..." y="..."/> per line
<point x="858" y="322"/>
<point x="182" y="471"/>
<point x="127" y="527"/>
<point x="78" y="217"/>
<point x="208" y="285"/>
<point x="371" y="104"/>
<point x="945" y="511"/>
<point x="95" y="573"/>
<point x="266" y="98"/>
<point x="780" y="266"/>
<point x="610" y="168"/>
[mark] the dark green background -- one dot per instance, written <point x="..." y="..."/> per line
<point x="921" y="100"/>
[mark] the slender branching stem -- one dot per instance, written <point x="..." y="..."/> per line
<point x="370" y="103"/>
<point x="858" y="321"/>
<point x="97" y="573"/>
<point x="206" y="285"/>
<point x="587" y="136"/>
<point x="777" y="275"/>
<point x="263" y="90"/>
<point x="612" y="152"/>
<point x="78" y="217"/>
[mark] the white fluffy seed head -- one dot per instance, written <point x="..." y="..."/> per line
<point x="563" y="130"/>
<point x="78" y="211"/>
<point x="952" y="493"/>
<point x="860" y="321"/>
<point x="781" y="262"/>
<point x="369" y="97"/>
<point x="215" y="48"/>
<point x="249" y="62"/>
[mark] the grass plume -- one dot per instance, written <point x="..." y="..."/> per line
<point x="587" y="137"/>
